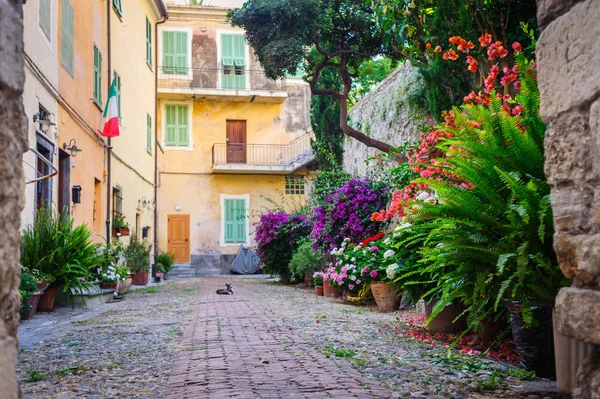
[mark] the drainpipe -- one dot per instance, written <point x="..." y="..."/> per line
<point x="165" y="17"/>
<point x="109" y="141"/>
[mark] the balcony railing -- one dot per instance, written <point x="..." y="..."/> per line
<point x="293" y="155"/>
<point x="233" y="78"/>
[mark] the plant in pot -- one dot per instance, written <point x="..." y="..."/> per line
<point x="304" y="263"/>
<point x="137" y="254"/>
<point x="29" y="296"/>
<point x="318" y="280"/>
<point x="164" y="263"/>
<point x="67" y="254"/>
<point x="120" y="228"/>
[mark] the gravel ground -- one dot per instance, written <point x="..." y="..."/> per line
<point x="121" y="350"/>
<point x="126" y="349"/>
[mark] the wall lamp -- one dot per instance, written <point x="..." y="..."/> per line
<point x="72" y="148"/>
<point x="42" y="119"/>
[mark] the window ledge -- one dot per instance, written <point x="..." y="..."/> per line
<point x="98" y="105"/>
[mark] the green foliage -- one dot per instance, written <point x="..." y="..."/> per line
<point x="66" y="253"/>
<point x="164" y="261"/>
<point x="385" y="166"/>
<point x="137" y="254"/>
<point x="35" y="375"/>
<point x="325" y="182"/>
<point x="368" y="74"/>
<point x="27" y="287"/>
<point x="305" y="260"/>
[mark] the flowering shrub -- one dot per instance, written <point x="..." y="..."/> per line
<point x="277" y="236"/>
<point x="112" y="272"/>
<point x="346" y="213"/>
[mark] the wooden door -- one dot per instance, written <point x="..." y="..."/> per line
<point x="64" y="181"/>
<point x="236" y="141"/>
<point x="178" y="232"/>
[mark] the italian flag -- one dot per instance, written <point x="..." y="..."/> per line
<point x="111" y="113"/>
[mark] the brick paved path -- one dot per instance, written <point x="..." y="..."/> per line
<point x="236" y="348"/>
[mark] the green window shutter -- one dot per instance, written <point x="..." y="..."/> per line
<point x="227" y="50"/>
<point x="148" y="43"/>
<point x="170" y="124"/>
<point x="182" y="119"/>
<point x="240" y="216"/>
<point x="235" y="220"/>
<point x="239" y="50"/>
<point x="229" y="222"/>
<point x="168" y="52"/>
<point x="149" y="133"/>
<point x="117" y="78"/>
<point x="66" y="33"/>
<point x="117" y="7"/>
<point x="233" y="60"/>
<point x="181" y="53"/>
<point x="97" y="76"/>
<point x="176" y="125"/>
<point x="44" y="16"/>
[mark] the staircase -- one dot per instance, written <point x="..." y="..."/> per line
<point x="183" y="270"/>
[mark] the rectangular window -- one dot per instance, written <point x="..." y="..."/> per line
<point x="149" y="133"/>
<point x="117" y="7"/>
<point x="233" y="61"/>
<point x="175" y="52"/>
<point x="235" y="220"/>
<point x="294" y="184"/>
<point x="117" y="78"/>
<point x="97" y="76"/>
<point x="176" y="125"/>
<point x="66" y="33"/>
<point x="148" y="43"/>
<point x="45" y="17"/>
<point x="117" y="202"/>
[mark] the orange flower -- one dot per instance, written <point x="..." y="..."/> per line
<point x="473" y="64"/>
<point x="437" y="49"/>
<point x="485" y="40"/>
<point x="450" y="55"/>
<point x="428" y="46"/>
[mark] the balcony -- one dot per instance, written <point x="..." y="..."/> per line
<point x="224" y="84"/>
<point x="262" y="158"/>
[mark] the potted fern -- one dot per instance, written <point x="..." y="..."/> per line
<point x="164" y="263"/>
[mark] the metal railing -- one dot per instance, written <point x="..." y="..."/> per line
<point x="297" y="151"/>
<point x="217" y="78"/>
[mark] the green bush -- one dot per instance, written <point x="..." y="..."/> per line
<point x="164" y="262"/>
<point x="305" y="260"/>
<point x="137" y="254"/>
<point x="27" y="287"/>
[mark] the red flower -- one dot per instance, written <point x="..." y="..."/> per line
<point x="485" y="40"/>
<point x="517" y="85"/>
<point x="516" y="111"/>
<point x="428" y="46"/>
<point x="437" y="49"/>
<point x="450" y="55"/>
<point x="517" y="47"/>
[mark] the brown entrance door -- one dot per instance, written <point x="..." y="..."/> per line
<point x="236" y="141"/>
<point x="178" y="231"/>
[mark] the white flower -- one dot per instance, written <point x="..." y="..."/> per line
<point x="386" y="241"/>
<point x="353" y="259"/>
<point x="423" y="196"/>
<point x="353" y="277"/>
<point x="391" y="271"/>
<point x="388" y="253"/>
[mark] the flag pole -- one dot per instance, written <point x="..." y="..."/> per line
<point x="108" y="141"/>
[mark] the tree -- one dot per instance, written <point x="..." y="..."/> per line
<point x="320" y="35"/>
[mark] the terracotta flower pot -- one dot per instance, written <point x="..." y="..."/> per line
<point x="42" y="286"/>
<point x="309" y="279"/>
<point x="46" y="303"/>
<point x="330" y="291"/>
<point x="319" y="290"/>
<point x="110" y="286"/>
<point x="33" y="301"/>
<point x="140" y="278"/>
<point x="385" y="295"/>
<point x="444" y="322"/>
<point x="123" y="286"/>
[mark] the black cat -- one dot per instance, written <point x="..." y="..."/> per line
<point x="227" y="291"/>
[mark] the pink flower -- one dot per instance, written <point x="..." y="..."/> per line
<point x="517" y="47"/>
<point x="373" y="273"/>
<point x="358" y="282"/>
<point x="373" y="249"/>
<point x="351" y="286"/>
<point x="364" y="270"/>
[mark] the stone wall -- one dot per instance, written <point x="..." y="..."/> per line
<point x="383" y="114"/>
<point x="13" y="139"/>
<point x="568" y="54"/>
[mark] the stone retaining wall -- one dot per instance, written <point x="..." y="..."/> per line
<point x="13" y="138"/>
<point x="568" y="54"/>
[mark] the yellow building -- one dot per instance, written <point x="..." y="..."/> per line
<point x="231" y="138"/>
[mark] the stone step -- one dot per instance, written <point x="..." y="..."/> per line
<point x="209" y="272"/>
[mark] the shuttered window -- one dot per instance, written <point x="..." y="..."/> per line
<point x="149" y="133"/>
<point x="66" y="36"/>
<point x="117" y="7"/>
<point x="233" y="62"/>
<point x="97" y="76"/>
<point x="235" y="220"/>
<point x="45" y="17"/>
<point x="176" y="125"/>
<point x="175" y="52"/>
<point x="148" y="43"/>
<point x="117" y="79"/>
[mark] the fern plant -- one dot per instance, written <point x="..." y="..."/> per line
<point x="489" y="241"/>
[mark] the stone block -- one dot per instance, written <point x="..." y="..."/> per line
<point x="568" y="55"/>
<point x="12" y="73"/>
<point x="579" y="256"/>
<point x="567" y="146"/>
<point x="8" y="360"/>
<point x="588" y="377"/>
<point x="570" y="208"/>
<point x="577" y="314"/>
<point x="549" y="10"/>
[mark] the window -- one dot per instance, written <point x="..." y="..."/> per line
<point x="148" y="43"/>
<point x="117" y="202"/>
<point x="176" y="125"/>
<point x="235" y="220"/>
<point x="117" y="78"/>
<point x="117" y="7"/>
<point x="294" y="184"/>
<point x="66" y="39"/>
<point x="149" y="133"/>
<point x="97" y="76"/>
<point x="175" y="52"/>
<point x="233" y="61"/>
<point x="45" y="18"/>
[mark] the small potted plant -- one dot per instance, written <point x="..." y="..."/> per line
<point x="318" y="279"/>
<point x="30" y="296"/>
<point x="158" y="276"/>
<point x="138" y="259"/>
<point x="120" y="228"/>
<point x="164" y="263"/>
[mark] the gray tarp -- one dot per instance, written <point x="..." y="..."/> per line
<point x="246" y="262"/>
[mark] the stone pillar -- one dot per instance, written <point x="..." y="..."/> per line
<point x="12" y="144"/>
<point x="568" y="55"/>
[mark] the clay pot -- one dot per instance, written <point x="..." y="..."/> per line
<point x="443" y="322"/>
<point x="491" y="328"/>
<point x="42" y="286"/>
<point x="309" y="279"/>
<point x="140" y="278"/>
<point x="385" y="295"/>
<point x="46" y="302"/>
<point x="330" y="291"/>
<point x="319" y="290"/>
<point x="33" y="301"/>
<point x="109" y="286"/>
<point x="123" y="286"/>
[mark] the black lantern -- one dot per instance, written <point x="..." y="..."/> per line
<point x="76" y="194"/>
